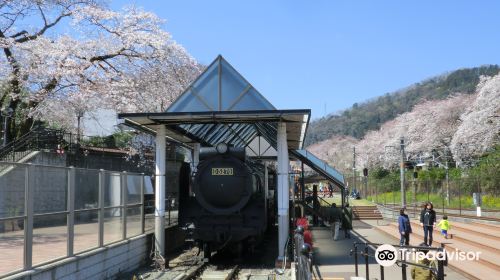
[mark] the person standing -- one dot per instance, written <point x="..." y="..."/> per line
<point x="428" y="221"/>
<point x="330" y="189"/>
<point x="347" y="220"/>
<point x="335" y="220"/>
<point x="404" y="228"/>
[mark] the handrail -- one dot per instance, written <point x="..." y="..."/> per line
<point x="35" y="139"/>
<point x="438" y="271"/>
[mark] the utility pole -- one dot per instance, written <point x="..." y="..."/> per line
<point x="402" y="169"/>
<point x="353" y="168"/>
<point x="447" y="183"/>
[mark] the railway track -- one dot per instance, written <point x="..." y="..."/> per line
<point x="212" y="272"/>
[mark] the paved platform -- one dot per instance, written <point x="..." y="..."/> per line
<point x="472" y="237"/>
<point x="332" y="259"/>
<point x="50" y="242"/>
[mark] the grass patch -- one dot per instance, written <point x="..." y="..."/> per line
<point x="465" y="202"/>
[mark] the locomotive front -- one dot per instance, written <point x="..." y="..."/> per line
<point x="224" y="183"/>
<point x="228" y="205"/>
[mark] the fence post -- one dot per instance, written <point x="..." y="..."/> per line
<point x="459" y="198"/>
<point x="71" y="210"/>
<point x="403" y="266"/>
<point x="101" y="207"/>
<point x="124" y="202"/>
<point x="356" y="259"/>
<point x="28" y="210"/>
<point x="142" y="204"/>
<point x="366" y="262"/>
<point x="440" y="272"/>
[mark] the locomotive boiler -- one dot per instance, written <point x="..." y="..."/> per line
<point x="228" y="206"/>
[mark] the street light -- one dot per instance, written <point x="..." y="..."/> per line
<point x="6" y="114"/>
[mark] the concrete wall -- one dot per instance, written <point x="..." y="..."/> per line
<point x="103" y="263"/>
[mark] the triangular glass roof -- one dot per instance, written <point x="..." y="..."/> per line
<point x="220" y="88"/>
<point x="221" y="106"/>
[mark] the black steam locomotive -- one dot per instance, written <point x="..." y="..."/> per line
<point x="228" y="206"/>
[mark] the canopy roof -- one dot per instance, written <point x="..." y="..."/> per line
<point x="222" y="106"/>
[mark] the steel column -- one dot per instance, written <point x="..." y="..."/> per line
<point x="124" y="203"/>
<point x="196" y="157"/>
<point x="283" y="189"/>
<point x="160" y="190"/>
<point x="101" y="208"/>
<point x="28" y="211"/>
<point x="142" y="204"/>
<point x="71" y="211"/>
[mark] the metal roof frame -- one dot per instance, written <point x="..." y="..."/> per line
<point x="221" y="105"/>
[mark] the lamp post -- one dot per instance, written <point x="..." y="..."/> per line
<point x="6" y="114"/>
<point x="79" y="115"/>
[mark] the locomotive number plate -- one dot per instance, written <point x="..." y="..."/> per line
<point x="222" y="171"/>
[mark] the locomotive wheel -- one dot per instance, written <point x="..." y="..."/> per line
<point x="207" y="253"/>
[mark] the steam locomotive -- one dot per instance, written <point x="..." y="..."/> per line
<point x="228" y="206"/>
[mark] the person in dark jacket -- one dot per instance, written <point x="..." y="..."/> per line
<point x="404" y="228"/>
<point x="335" y="220"/>
<point x="347" y="220"/>
<point x="428" y="221"/>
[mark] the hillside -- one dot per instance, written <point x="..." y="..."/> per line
<point x="361" y="118"/>
<point x="462" y="128"/>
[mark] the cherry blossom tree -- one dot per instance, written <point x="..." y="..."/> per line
<point x="80" y="50"/>
<point x="479" y="129"/>
<point x="336" y="151"/>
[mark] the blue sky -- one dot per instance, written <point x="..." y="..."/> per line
<point x="317" y="54"/>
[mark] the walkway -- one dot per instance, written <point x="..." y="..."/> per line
<point x="471" y="237"/>
<point x="50" y="243"/>
<point x="332" y="259"/>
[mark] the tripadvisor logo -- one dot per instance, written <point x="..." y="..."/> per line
<point x="387" y="255"/>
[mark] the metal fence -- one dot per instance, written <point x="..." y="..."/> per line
<point x="435" y="267"/>
<point x="49" y="213"/>
<point x="454" y="196"/>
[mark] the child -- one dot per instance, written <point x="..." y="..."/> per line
<point x="444" y="225"/>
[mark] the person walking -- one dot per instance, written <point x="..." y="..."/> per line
<point x="330" y="189"/>
<point x="347" y="220"/>
<point x="444" y="225"/>
<point x="428" y="221"/>
<point x="335" y="220"/>
<point x="404" y="228"/>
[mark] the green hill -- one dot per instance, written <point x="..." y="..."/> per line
<point x="370" y="115"/>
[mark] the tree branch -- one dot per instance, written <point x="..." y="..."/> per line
<point x="43" y="30"/>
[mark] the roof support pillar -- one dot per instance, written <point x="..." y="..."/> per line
<point x="283" y="190"/>
<point x="160" y="163"/>
<point x="196" y="157"/>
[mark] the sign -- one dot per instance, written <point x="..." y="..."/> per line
<point x="476" y="197"/>
<point x="227" y="171"/>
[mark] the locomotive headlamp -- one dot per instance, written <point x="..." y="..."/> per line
<point x="221" y="148"/>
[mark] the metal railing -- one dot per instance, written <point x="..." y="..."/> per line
<point x="302" y="257"/>
<point x="437" y="271"/>
<point x="59" y="211"/>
